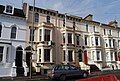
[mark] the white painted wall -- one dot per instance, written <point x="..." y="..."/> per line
<point x="7" y="22"/>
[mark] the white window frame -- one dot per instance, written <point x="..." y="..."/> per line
<point x="106" y="43"/>
<point x="36" y="17"/>
<point x="49" y="55"/>
<point x="72" y="56"/>
<point x="112" y="56"/>
<point x="93" y="55"/>
<point x="98" y="54"/>
<point x="50" y="33"/>
<point x="98" y="41"/>
<point x="107" y="56"/>
<point x="92" y="41"/>
<point x="77" y="39"/>
<point x="71" y="35"/>
<point x="86" y="40"/>
<point x="6" y="9"/>
<point x="40" y="35"/>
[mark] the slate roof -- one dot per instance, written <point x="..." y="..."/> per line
<point x="17" y="12"/>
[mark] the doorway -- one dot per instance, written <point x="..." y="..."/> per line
<point x="28" y="55"/>
<point x="18" y="61"/>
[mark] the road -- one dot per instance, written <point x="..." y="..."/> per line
<point x="43" y="78"/>
<point x="116" y="73"/>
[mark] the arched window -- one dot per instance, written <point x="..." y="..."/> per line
<point x="36" y="17"/>
<point x="0" y="29"/>
<point x="13" y="32"/>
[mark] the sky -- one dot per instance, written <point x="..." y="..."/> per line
<point x="103" y="11"/>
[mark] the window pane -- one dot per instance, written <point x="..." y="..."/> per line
<point x="39" y="55"/>
<point x="70" y="55"/>
<point x="1" y="57"/>
<point x="92" y="41"/>
<point x="32" y="34"/>
<point x="86" y="28"/>
<point x="69" y="37"/>
<point x="40" y="34"/>
<point x="1" y="49"/>
<point x="64" y="55"/>
<point x="96" y="41"/>
<point x="112" y="56"/>
<point x="47" y="55"/>
<point x="47" y="35"/>
<point x="94" y="28"/>
<point x="110" y="32"/>
<point x="36" y="17"/>
<point x="48" y="19"/>
<point x="1" y="53"/>
<point x="98" y="55"/>
<point x="78" y="40"/>
<point x="104" y="32"/>
<point x="0" y="29"/>
<point x="13" y="32"/>
<point x="85" y="40"/>
<point x="73" y="24"/>
<point x="106" y="43"/>
<point x="7" y="54"/>
<point x="63" y="22"/>
<point x="9" y="9"/>
<point x="107" y="56"/>
<point x="92" y="56"/>
<point x="110" y="43"/>
<point x="114" y="43"/>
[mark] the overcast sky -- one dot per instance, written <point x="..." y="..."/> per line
<point x="103" y="11"/>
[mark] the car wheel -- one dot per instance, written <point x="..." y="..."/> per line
<point x="62" y="78"/>
<point x="84" y="75"/>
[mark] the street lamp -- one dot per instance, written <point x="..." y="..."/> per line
<point x="32" y="28"/>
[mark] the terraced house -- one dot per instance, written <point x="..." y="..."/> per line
<point x="12" y="41"/>
<point x="71" y="39"/>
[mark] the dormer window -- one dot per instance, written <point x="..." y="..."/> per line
<point x="9" y="9"/>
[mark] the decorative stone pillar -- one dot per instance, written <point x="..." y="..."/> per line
<point x="42" y="55"/>
<point x="26" y="68"/>
<point x="13" y="70"/>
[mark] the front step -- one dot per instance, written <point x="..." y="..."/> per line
<point x="20" y="71"/>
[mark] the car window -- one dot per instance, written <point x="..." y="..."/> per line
<point x="66" y="67"/>
<point x="56" y="67"/>
<point x="60" y="67"/>
<point x="73" y="68"/>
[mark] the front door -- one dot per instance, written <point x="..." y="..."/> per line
<point x="19" y="67"/>
<point x="28" y="60"/>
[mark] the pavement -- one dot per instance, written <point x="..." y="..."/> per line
<point x="25" y="78"/>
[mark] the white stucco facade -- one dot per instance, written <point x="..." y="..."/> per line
<point x="88" y="42"/>
<point x="9" y="46"/>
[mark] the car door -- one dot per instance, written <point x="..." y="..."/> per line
<point x="67" y="70"/>
<point x="74" y="71"/>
